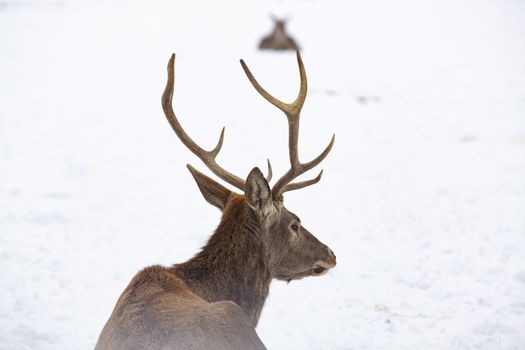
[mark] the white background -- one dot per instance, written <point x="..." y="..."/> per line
<point x="422" y="198"/>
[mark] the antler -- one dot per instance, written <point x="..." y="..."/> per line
<point x="208" y="157"/>
<point x="293" y="112"/>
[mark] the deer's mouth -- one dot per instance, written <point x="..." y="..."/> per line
<point x="318" y="271"/>
<point x="322" y="267"/>
<point x="319" y="268"/>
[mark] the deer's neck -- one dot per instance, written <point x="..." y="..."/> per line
<point x="233" y="265"/>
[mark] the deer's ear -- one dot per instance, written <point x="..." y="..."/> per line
<point x="257" y="191"/>
<point x="213" y="192"/>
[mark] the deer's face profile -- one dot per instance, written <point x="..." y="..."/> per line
<point x="298" y="253"/>
<point x="293" y="252"/>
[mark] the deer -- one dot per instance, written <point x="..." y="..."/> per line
<point x="278" y="39"/>
<point x="215" y="299"/>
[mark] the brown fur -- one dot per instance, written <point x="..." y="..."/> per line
<point x="232" y="266"/>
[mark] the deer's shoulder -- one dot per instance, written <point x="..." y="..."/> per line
<point x="160" y="307"/>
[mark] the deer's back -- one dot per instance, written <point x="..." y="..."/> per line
<point x="158" y="311"/>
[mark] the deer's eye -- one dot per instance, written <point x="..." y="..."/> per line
<point x="295" y="227"/>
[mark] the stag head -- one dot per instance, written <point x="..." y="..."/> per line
<point x="291" y="251"/>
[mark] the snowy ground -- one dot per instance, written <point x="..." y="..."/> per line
<point x="422" y="200"/>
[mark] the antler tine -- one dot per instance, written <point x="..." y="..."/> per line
<point x="270" y="173"/>
<point x="299" y="101"/>
<point x="293" y="112"/>
<point x="298" y="168"/>
<point x="207" y="157"/>
<point x="298" y="185"/>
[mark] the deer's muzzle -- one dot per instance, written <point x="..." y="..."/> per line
<point x="322" y="266"/>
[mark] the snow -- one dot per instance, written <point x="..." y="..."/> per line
<point x="422" y="198"/>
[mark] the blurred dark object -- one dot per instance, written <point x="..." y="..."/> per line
<point x="278" y="39"/>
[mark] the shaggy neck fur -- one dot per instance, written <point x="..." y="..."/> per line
<point x="234" y="264"/>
